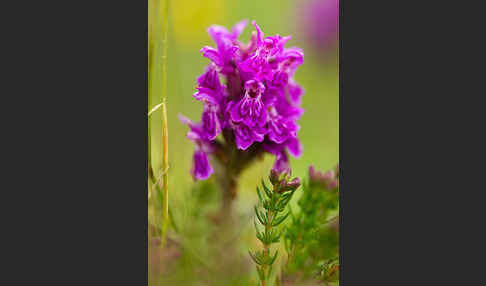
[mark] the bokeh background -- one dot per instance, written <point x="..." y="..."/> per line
<point x="313" y="26"/>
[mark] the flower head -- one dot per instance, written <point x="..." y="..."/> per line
<point x="258" y="104"/>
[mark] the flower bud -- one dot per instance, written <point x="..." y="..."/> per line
<point x="333" y="184"/>
<point x="274" y="177"/>
<point x="328" y="176"/>
<point x="313" y="176"/>
<point x="292" y="185"/>
<point x="328" y="180"/>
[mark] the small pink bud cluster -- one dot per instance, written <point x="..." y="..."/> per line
<point x="329" y="179"/>
<point x="281" y="181"/>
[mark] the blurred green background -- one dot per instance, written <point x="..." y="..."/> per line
<point x="188" y="23"/>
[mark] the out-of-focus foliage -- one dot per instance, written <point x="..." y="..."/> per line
<point x="312" y="236"/>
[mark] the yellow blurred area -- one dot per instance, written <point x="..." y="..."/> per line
<point x="190" y="16"/>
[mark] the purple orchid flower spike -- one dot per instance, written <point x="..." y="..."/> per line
<point x="252" y="110"/>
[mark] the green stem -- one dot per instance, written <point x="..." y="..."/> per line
<point x="165" y="134"/>
<point x="150" y="73"/>
<point x="159" y="194"/>
<point x="266" y="247"/>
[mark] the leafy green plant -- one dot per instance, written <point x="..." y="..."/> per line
<point x="274" y="203"/>
<point x="311" y="238"/>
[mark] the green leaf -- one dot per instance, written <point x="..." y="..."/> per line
<point x="261" y="237"/>
<point x="280" y="219"/>
<point x="273" y="259"/>
<point x="267" y="191"/>
<point x="264" y="237"/>
<point x="260" y="195"/>
<point x="285" y="200"/>
<point x="256" y="226"/>
<point x="259" y="216"/>
<point x="282" y="204"/>
<point x="275" y="237"/>
<point x="255" y="258"/>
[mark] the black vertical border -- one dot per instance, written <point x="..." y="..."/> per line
<point x="79" y="182"/>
